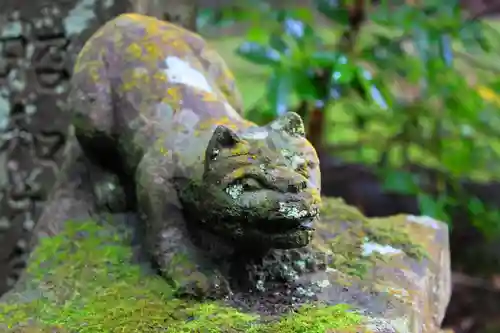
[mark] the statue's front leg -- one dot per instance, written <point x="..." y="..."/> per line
<point x="71" y="197"/>
<point x="168" y="241"/>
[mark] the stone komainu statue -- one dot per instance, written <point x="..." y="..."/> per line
<point x="156" y="106"/>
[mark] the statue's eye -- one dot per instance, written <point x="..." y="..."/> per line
<point x="303" y="169"/>
<point x="250" y="184"/>
<point x="214" y="154"/>
<point x="311" y="165"/>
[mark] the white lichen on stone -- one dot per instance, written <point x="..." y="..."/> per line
<point x="4" y="224"/>
<point x="22" y="244"/>
<point x="323" y="283"/>
<point x="30" y="109"/>
<point x="11" y="29"/>
<point x="180" y="71"/>
<point x="4" y="113"/>
<point x="28" y="224"/>
<point x="424" y="220"/>
<point x="294" y="159"/>
<point x="291" y="210"/>
<point x="255" y="134"/>
<point x="371" y="247"/>
<point x="234" y="191"/>
<point x="79" y="17"/>
<point x="16" y="80"/>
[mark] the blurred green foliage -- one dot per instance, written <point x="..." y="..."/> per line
<point x="396" y="87"/>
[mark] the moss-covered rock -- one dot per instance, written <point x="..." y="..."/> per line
<point x="384" y="276"/>
<point x="83" y="280"/>
<point x="402" y="262"/>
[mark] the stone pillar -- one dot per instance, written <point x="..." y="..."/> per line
<point x="39" y="40"/>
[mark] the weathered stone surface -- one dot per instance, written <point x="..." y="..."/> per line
<point x="90" y="278"/>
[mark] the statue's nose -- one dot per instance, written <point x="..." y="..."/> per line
<point x="297" y="187"/>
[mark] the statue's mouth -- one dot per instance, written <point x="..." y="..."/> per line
<point x="286" y="225"/>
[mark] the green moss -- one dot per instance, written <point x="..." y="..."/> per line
<point x="313" y="319"/>
<point x="353" y="229"/>
<point x="84" y="281"/>
<point x="385" y="231"/>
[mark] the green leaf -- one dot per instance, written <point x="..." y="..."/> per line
<point x="335" y="10"/>
<point x="405" y="17"/>
<point x="422" y="44"/>
<point x="302" y="13"/>
<point x="381" y="14"/>
<point x="433" y="207"/>
<point x="473" y="37"/>
<point x="371" y="90"/>
<point x="259" y="54"/>
<point x="257" y="34"/>
<point x="261" y="115"/>
<point x="401" y="182"/>
<point x="277" y="43"/>
<point x="300" y="31"/>
<point x="495" y="86"/>
<point x="226" y="16"/>
<point x="344" y="71"/>
<point x="279" y="90"/>
<point x="304" y="88"/>
<point x="487" y="222"/>
<point x="476" y="206"/>
<point x="323" y="59"/>
<point x="446" y="50"/>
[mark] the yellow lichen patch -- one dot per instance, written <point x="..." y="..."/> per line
<point x="228" y="122"/>
<point x="153" y="51"/>
<point x="174" y="95"/>
<point x="241" y="148"/>
<point x="88" y="47"/>
<point x="238" y="173"/>
<point x="92" y="68"/>
<point x="489" y="95"/>
<point x="134" y="78"/>
<point x="160" y="145"/>
<point x="208" y="96"/>
<point x="133" y="17"/>
<point x="134" y="50"/>
<point x="180" y="46"/>
<point x="205" y="124"/>
<point x="160" y="77"/>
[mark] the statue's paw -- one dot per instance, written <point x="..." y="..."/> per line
<point x="109" y="194"/>
<point x="203" y="286"/>
<point x="286" y="266"/>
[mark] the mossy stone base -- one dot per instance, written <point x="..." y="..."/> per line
<point x="86" y="279"/>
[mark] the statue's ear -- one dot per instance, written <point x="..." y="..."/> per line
<point x="290" y="123"/>
<point x="223" y="137"/>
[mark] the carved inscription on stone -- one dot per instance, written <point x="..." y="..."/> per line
<point x="34" y="80"/>
<point x="39" y="41"/>
<point x="48" y="62"/>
